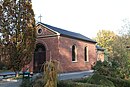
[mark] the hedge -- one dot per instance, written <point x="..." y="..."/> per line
<point x="95" y="80"/>
<point x="105" y="81"/>
<point x="119" y="82"/>
<point x="77" y="84"/>
<point x="98" y="80"/>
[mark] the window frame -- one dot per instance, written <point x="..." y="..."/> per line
<point x="75" y="53"/>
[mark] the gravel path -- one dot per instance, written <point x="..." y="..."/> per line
<point x="12" y="83"/>
<point x="75" y="75"/>
<point x="64" y="76"/>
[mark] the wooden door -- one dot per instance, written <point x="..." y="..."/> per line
<point x="39" y="58"/>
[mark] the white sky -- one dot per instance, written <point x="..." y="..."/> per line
<point x="83" y="16"/>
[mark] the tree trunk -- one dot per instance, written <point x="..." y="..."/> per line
<point x="16" y="74"/>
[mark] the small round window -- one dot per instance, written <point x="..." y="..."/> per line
<point x="39" y="31"/>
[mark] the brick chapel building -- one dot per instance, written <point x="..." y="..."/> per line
<point x="100" y="53"/>
<point x="74" y="51"/>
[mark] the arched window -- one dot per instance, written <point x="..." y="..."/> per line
<point x="74" y="53"/>
<point x="86" y="54"/>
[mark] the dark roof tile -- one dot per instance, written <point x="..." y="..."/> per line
<point x="69" y="33"/>
<point x="99" y="48"/>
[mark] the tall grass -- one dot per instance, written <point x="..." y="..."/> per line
<point x="49" y="77"/>
<point x="51" y="69"/>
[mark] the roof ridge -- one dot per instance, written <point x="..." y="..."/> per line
<point x="58" y="28"/>
<point x="68" y="33"/>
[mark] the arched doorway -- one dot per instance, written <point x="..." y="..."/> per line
<point x="39" y="58"/>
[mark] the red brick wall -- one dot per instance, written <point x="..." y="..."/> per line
<point x="65" y="47"/>
<point x="50" y="41"/>
<point x="51" y="48"/>
<point x="60" y="48"/>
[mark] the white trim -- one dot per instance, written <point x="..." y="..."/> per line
<point x="74" y="61"/>
<point x="41" y="31"/>
<point x="48" y="28"/>
<point x="46" y="36"/>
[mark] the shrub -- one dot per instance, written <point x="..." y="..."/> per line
<point x="38" y="83"/>
<point x="83" y="80"/>
<point x="26" y="82"/>
<point x="108" y="81"/>
<point x="77" y="84"/>
<point x="119" y="82"/>
<point x="100" y="80"/>
<point x="3" y="66"/>
<point x="106" y="68"/>
<point x="95" y="81"/>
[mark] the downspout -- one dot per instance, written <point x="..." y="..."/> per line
<point x="59" y="48"/>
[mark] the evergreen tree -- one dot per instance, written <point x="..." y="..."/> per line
<point x="17" y="28"/>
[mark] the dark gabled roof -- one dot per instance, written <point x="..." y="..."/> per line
<point x="99" y="48"/>
<point x="68" y="33"/>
